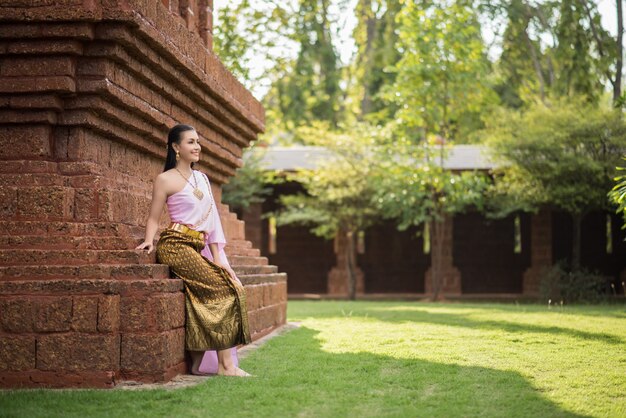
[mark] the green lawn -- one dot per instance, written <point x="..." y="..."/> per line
<point x="399" y="359"/>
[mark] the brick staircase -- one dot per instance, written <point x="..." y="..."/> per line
<point x="80" y="306"/>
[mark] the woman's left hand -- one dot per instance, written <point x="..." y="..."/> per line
<point x="229" y="270"/>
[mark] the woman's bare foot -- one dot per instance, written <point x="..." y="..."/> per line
<point x="196" y="360"/>
<point x="235" y="371"/>
<point x="196" y="371"/>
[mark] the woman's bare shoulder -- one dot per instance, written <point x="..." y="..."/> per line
<point x="166" y="180"/>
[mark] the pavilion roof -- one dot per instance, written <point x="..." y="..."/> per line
<point x="458" y="157"/>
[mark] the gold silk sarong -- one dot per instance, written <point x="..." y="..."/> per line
<point x="216" y="314"/>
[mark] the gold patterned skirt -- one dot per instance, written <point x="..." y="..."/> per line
<point x="216" y="314"/>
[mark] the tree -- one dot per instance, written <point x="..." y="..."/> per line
<point x="441" y="84"/>
<point x="563" y="156"/>
<point x="338" y="199"/>
<point x="252" y="182"/>
<point x="308" y="90"/>
<point x="618" y="194"/>
<point x="555" y="49"/>
<point x="376" y="37"/>
<point x="414" y="192"/>
<point x="247" y="34"/>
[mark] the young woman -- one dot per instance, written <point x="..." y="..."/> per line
<point x="193" y="248"/>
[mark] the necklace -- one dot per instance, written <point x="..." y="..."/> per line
<point x="196" y="191"/>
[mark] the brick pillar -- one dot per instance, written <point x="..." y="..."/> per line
<point x="338" y="275"/>
<point x="87" y="96"/>
<point x="451" y="276"/>
<point x="540" y="251"/>
<point x="254" y="224"/>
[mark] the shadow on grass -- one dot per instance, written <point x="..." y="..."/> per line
<point x="425" y="315"/>
<point x="295" y="376"/>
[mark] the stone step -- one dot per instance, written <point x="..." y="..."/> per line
<point x="239" y="243"/>
<point x="246" y="260"/>
<point x="92" y="272"/>
<point x="246" y="252"/>
<point x="254" y="269"/>
<point x="250" y="279"/>
<point x="21" y="257"/>
<point x="88" y="286"/>
<point x="242" y="248"/>
<point x="70" y="229"/>
<point x="38" y="242"/>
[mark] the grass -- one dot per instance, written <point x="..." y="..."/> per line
<point x="397" y="359"/>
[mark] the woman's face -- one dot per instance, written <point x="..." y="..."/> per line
<point x="189" y="147"/>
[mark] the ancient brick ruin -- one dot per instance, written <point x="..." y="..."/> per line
<point x="88" y="91"/>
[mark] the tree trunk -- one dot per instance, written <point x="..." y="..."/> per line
<point x="617" y="86"/>
<point x="437" y="270"/>
<point x="576" y="221"/>
<point x="350" y="265"/>
<point x="535" y="60"/>
<point x="370" y="33"/>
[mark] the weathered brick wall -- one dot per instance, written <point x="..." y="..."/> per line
<point x="484" y="252"/>
<point x="88" y="91"/>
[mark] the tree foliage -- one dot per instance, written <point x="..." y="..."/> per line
<point x="441" y="83"/>
<point x="339" y="192"/>
<point x="252" y="182"/>
<point x="307" y="89"/>
<point x="562" y="156"/>
<point x="617" y="195"/>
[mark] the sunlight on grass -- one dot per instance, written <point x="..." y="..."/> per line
<point x="397" y="359"/>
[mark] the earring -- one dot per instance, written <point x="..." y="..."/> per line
<point x="177" y="156"/>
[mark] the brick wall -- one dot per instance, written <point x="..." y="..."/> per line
<point x="483" y="251"/>
<point x="88" y="91"/>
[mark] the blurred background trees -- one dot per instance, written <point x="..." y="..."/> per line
<point x="539" y="82"/>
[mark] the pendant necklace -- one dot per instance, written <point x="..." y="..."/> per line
<point x="196" y="191"/>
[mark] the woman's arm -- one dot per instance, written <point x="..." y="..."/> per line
<point x="217" y="260"/>
<point x="215" y="252"/>
<point x="159" y="196"/>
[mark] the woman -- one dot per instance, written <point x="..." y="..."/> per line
<point x="193" y="248"/>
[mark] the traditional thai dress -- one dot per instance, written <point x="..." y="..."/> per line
<point x="216" y="314"/>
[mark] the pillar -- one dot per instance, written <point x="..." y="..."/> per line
<point x="451" y="276"/>
<point x="338" y="276"/>
<point x="540" y="251"/>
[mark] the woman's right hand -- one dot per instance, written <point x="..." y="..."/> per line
<point x="145" y="246"/>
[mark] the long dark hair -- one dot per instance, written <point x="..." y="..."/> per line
<point x="173" y="137"/>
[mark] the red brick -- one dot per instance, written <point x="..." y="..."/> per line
<point x="18" y="141"/>
<point x="16" y="314"/>
<point x="136" y="315"/>
<point x="144" y="352"/>
<point x="45" y="47"/>
<point x="47" y="202"/>
<point x="57" y="379"/>
<point x="175" y="347"/>
<point x="27" y="117"/>
<point x="52" y="314"/>
<point x="36" y="66"/>
<point x="169" y="311"/>
<point x="81" y="30"/>
<point x="27" y="167"/>
<point x="95" y="67"/>
<point x="36" y="102"/>
<point x="62" y="84"/>
<point x="77" y="351"/>
<point x="85" y="205"/>
<point x="109" y="313"/>
<point x="85" y="313"/>
<point x="17" y="353"/>
<point x="266" y="295"/>
<point x="19" y="30"/>
<point x="8" y="201"/>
